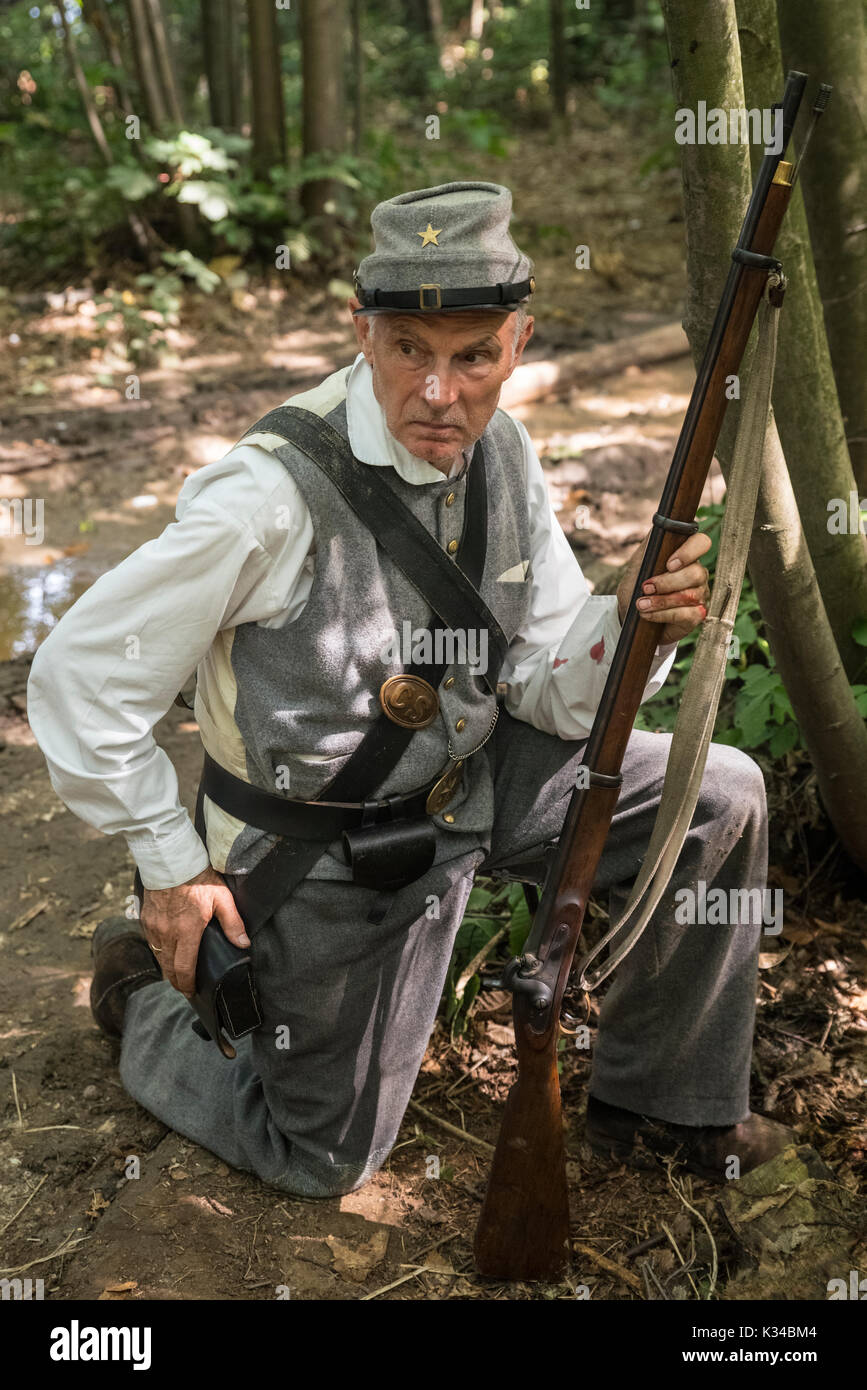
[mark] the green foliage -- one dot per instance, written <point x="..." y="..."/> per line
<point x="491" y="908"/>
<point x="66" y="213"/>
<point x="755" y="712"/>
<point x="139" y="321"/>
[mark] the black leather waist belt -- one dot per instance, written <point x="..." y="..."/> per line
<point x="304" y="820"/>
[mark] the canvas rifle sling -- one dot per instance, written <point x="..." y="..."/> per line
<point x="695" y="721"/>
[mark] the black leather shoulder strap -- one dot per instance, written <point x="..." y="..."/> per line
<point x="402" y="536"/>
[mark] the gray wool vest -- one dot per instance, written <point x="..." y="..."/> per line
<point x="307" y="692"/>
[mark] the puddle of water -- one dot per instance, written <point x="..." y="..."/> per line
<point x="34" y="598"/>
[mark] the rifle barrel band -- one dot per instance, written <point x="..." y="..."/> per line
<point x="668" y="523"/>
<point x="754" y="260"/>
<point x="603" y="779"/>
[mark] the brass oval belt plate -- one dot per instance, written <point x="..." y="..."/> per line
<point x="442" y="791"/>
<point x="409" y="701"/>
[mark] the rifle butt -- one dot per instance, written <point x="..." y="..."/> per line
<point x="523" y="1230"/>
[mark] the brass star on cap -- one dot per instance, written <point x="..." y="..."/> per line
<point x="429" y="235"/>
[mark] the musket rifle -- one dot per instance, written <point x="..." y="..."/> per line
<point x="523" y="1230"/>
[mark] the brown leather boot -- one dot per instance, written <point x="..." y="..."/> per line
<point x="705" y="1150"/>
<point x="122" y="963"/>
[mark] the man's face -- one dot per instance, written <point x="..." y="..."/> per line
<point x="438" y="376"/>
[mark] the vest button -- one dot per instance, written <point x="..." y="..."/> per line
<point x="450" y="499"/>
<point x="453" y="545"/>
<point x="448" y="683"/>
<point x="449" y="818"/>
<point x="461" y="725"/>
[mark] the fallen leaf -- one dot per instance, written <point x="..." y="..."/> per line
<point x="815" y="1063"/>
<point x="377" y="1207"/>
<point x="437" y="1262"/>
<point x="801" y="936"/>
<point x="208" y="1204"/>
<point x="357" y="1262"/>
<point x="828" y="926"/>
<point x="117" y="1292"/>
<point x="97" y="1204"/>
<point x="768" y="959"/>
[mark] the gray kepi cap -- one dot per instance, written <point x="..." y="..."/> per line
<point x="444" y="249"/>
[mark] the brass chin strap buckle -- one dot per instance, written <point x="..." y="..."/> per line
<point x="409" y="701"/>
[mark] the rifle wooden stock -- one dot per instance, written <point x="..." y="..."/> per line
<point x="523" y="1230"/>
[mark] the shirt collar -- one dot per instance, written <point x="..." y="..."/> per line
<point x="371" y="440"/>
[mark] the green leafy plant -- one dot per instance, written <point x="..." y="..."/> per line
<point x="755" y="711"/>
<point x="492" y="908"/>
<point x="140" y="318"/>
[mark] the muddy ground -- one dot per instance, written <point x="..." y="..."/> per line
<point x="96" y="1197"/>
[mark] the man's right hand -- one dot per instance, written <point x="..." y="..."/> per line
<point x="175" y="918"/>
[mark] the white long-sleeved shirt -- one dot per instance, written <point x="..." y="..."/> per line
<point x="240" y="551"/>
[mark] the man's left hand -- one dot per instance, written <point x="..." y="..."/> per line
<point x="678" y="599"/>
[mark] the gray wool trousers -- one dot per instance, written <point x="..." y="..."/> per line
<point x="314" y="1099"/>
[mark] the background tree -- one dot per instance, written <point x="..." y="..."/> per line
<point x="164" y="63"/>
<point x="268" y="117"/>
<point x="356" y="18"/>
<point x="222" y="45"/>
<point x="150" y="85"/>
<point x="832" y="40"/>
<point x="805" y="396"/>
<point x="716" y="183"/>
<point x="323" y="31"/>
<point x="557" y="59"/>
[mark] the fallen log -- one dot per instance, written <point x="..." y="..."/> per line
<point x="534" y="380"/>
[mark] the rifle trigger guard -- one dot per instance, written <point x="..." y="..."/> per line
<point x="536" y="990"/>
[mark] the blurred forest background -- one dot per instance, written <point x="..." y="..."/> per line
<point x="185" y="189"/>
<point x="136" y="132"/>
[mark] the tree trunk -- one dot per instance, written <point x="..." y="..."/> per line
<point x="145" y="62"/>
<point x="220" y="42"/>
<point x="213" y="48"/>
<point x="791" y="604"/>
<point x="477" y="19"/>
<point x="357" y="77"/>
<point x="164" y="61"/>
<point x="705" y="65"/>
<point x="266" y="88"/>
<point x="417" y="16"/>
<point x="557" y="60"/>
<point x="436" y="25"/>
<point x="141" y="229"/>
<point x="96" y="15"/>
<point x="322" y="24"/>
<point x="830" y="42"/>
<point x="87" y="101"/>
<point x="805" y="394"/>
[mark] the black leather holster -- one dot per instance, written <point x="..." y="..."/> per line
<point x="225" y="999"/>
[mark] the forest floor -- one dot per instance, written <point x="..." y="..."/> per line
<point x="188" y="1227"/>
